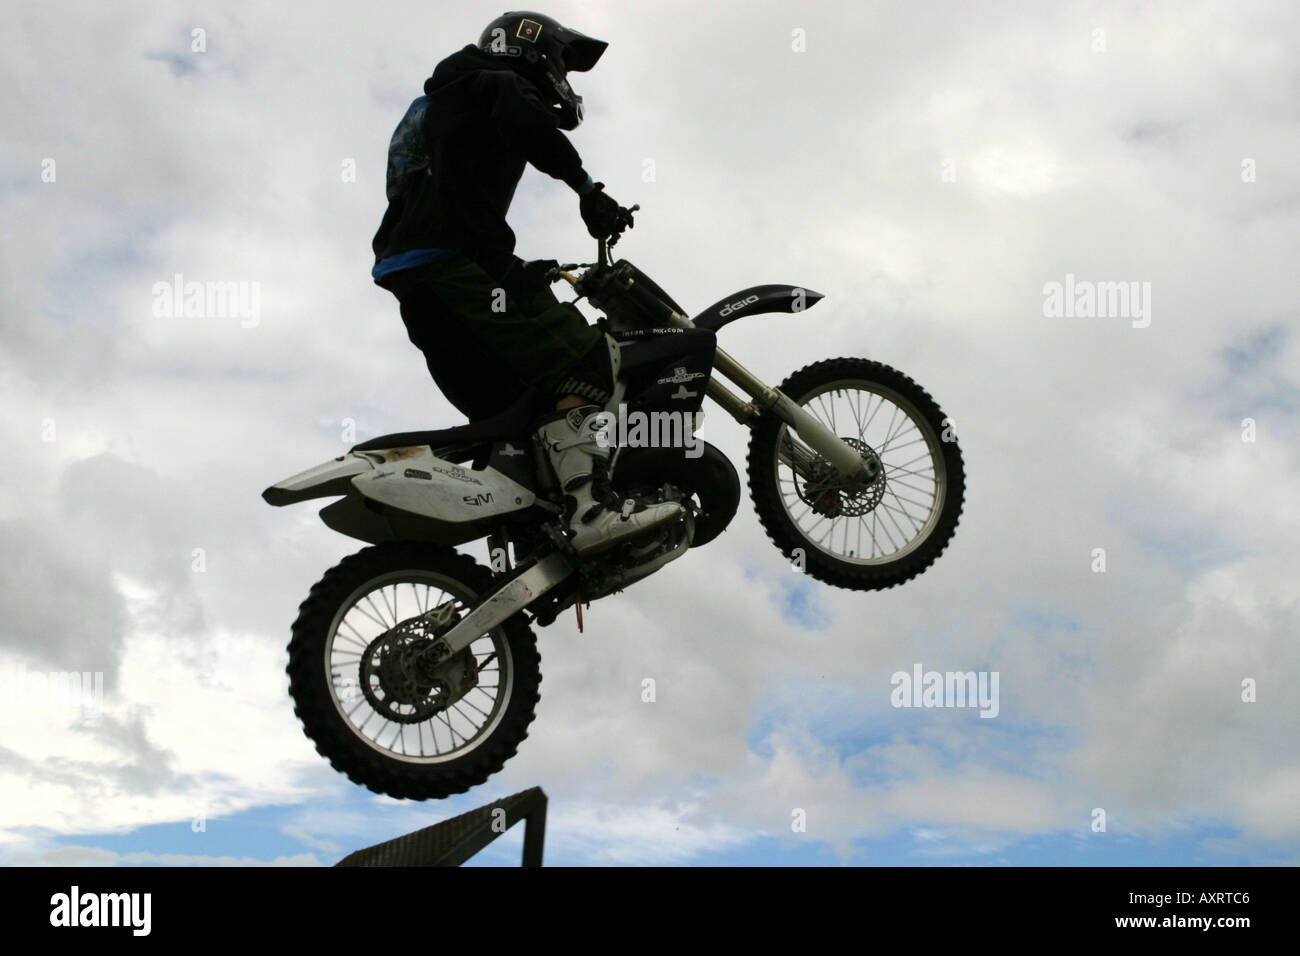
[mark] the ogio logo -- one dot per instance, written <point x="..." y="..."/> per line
<point x="734" y="306"/>
<point x="529" y="30"/>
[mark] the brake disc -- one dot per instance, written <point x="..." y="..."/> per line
<point x="833" y="495"/>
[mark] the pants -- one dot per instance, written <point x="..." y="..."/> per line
<point x="487" y="330"/>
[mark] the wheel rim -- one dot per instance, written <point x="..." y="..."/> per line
<point x="377" y="606"/>
<point x="909" y="496"/>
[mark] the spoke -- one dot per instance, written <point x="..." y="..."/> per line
<point x="361" y="639"/>
<point x="926" y="455"/>
<point x="451" y="729"/>
<point x="885" y="529"/>
<point x="364" y="613"/>
<point x="361" y="703"/>
<point x="924" y="473"/>
<point x="920" y="437"/>
<point x="918" y="525"/>
<point x="857" y="417"/>
<point x="892" y="514"/>
<point x="920" y="491"/>
<point x="826" y="412"/>
<point x="891" y="427"/>
<point x="879" y="406"/>
<point x="919" y="504"/>
<point x="885" y="506"/>
<point x="369" y="600"/>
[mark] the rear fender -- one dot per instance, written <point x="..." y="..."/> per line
<point x="333" y="477"/>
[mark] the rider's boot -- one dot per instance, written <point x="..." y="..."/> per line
<point x="599" y="519"/>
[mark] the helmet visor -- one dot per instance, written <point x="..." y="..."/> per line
<point x="581" y="52"/>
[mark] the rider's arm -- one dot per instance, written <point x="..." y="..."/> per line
<point x="519" y="116"/>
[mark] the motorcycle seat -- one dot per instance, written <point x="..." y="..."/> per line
<point x="516" y="421"/>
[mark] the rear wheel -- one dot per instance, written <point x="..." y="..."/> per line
<point x="863" y="537"/>
<point x="374" y="700"/>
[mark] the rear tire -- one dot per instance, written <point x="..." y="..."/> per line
<point x="319" y="683"/>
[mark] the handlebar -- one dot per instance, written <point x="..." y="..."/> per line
<point x="602" y="248"/>
<point x="624" y="222"/>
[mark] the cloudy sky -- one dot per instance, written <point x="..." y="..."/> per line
<point x="930" y="168"/>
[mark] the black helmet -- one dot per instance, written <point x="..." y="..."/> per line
<point x="542" y="50"/>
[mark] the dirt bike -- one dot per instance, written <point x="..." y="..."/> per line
<point x="414" y="668"/>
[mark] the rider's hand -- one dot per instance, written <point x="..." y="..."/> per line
<point x="538" y="269"/>
<point x="601" y="213"/>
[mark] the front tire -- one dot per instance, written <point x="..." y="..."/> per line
<point x="868" y="538"/>
<point x="352" y="683"/>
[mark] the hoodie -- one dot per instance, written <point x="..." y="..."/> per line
<point x="457" y="156"/>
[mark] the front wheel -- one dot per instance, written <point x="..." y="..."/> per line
<point x="862" y="537"/>
<point x="375" y="700"/>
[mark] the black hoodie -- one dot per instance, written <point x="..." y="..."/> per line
<point x="482" y="123"/>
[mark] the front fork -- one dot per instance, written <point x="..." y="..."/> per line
<point x="846" y="459"/>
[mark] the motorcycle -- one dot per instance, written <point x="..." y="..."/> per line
<point x="414" y="668"/>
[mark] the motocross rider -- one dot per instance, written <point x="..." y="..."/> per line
<point x="487" y="322"/>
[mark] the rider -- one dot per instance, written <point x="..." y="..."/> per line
<point x="487" y="322"/>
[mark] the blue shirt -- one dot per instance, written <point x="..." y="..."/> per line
<point x="409" y="260"/>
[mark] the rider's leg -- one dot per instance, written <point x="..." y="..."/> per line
<point x="598" y="518"/>
<point x="488" y="331"/>
<point x="532" y="339"/>
<point x="573" y="439"/>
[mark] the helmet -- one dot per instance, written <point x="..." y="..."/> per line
<point x="542" y="50"/>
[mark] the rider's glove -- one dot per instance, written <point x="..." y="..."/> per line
<point x="600" y="212"/>
<point x="538" y="269"/>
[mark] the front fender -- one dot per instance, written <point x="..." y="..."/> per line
<point x="754" y="301"/>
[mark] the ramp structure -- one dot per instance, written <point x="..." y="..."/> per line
<point x="452" y="842"/>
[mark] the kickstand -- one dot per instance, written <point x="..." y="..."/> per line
<point x="577" y="606"/>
